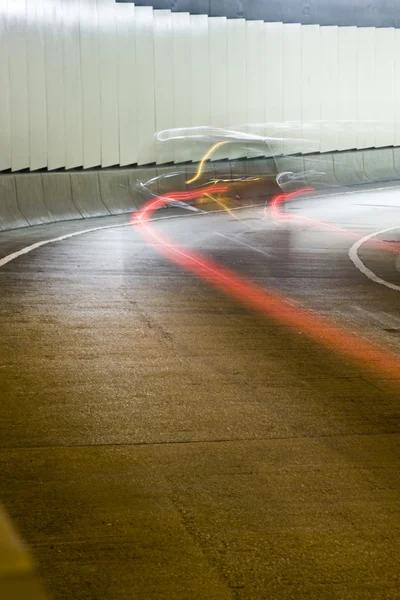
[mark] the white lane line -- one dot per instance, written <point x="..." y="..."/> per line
<point x="358" y="263"/>
<point x="27" y="249"/>
<point x="235" y="240"/>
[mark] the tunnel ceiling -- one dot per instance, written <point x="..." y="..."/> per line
<point x="362" y="13"/>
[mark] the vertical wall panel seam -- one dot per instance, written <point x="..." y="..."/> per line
<point x="9" y="87"/>
<point x="154" y="87"/>
<point x="100" y="194"/>
<point x="44" y="198"/>
<point x="72" y="195"/>
<point x="17" y="200"/>
<point x="81" y="99"/>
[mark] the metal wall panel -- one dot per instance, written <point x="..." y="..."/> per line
<point x="5" y="110"/>
<point x="37" y="85"/>
<point x="292" y="85"/>
<point x="182" y="65"/>
<point x="236" y="78"/>
<point x="255" y="73"/>
<point x="218" y="46"/>
<point x="164" y="79"/>
<point x="384" y="86"/>
<point x="146" y="124"/>
<point x="237" y="72"/>
<point x="366" y="87"/>
<point x="347" y="88"/>
<point x="73" y="86"/>
<point x="108" y="59"/>
<point x="19" y="89"/>
<point x="329" y="87"/>
<point x="200" y="78"/>
<point x="397" y="87"/>
<point x="311" y="86"/>
<point x="274" y="74"/>
<point x="128" y="84"/>
<point x="82" y="87"/>
<point x="55" y="84"/>
<point x="91" y="108"/>
<point x="361" y="13"/>
<point x="200" y="70"/>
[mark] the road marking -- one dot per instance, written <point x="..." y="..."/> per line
<point x="358" y="263"/>
<point x="244" y="244"/>
<point x="27" y="249"/>
<point x="272" y="304"/>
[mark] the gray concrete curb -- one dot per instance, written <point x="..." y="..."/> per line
<point x="38" y="198"/>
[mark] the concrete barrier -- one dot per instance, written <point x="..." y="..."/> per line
<point x="139" y="176"/>
<point x="396" y="161"/>
<point x="379" y="165"/>
<point x="289" y="170"/>
<point x="10" y="214"/>
<point x="86" y="194"/>
<point x="36" y="198"/>
<point x="208" y="173"/>
<point x="222" y="168"/>
<point x="320" y="171"/>
<point x="115" y="191"/>
<point x="260" y="167"/>
<point x="30" y="198"/>
<point x="265" y="170"/>
<point x="171" y="178"/>
<point x="58" y="196"/>
<point x="349" y="168"/>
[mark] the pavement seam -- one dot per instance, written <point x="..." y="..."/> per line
<point x="193" y="442"/>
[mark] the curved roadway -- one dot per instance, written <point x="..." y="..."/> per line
<point x="159" y="440"/>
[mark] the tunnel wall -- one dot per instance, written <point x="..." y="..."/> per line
<point x="38" y="198"/>
<point x="86" y="83"/>
<point x="379" y="13"/>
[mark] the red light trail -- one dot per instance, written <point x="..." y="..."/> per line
<point x="264" y="301"/>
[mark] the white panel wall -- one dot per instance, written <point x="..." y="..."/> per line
<point x="91" y="108"/>
<point x="347" y="88"/>
<point x="397" y="87"/>
<point x="292" y="86"/>
<point x="199" y="77"/>
<point x="218" y="46"/>
<point x="329" y="55"/>
<point x="128" y="84"/>
<point x="56" y="153"/>
<point x="72" y="86"/>
<point x="108" y="60"/>
<point x="164" y="79"/>
<point x="385" y="55"/>
<point x="274" y="75"/>
<point x="311" y="86"/>
<point x="19" y="89"/>
<point x="5" y="113"/>
<point x="255" y="78"/>
<point x="236" y="79"/>
<point x="146" y="121"/>
<point x="37" y="85"/>
<point x="89" y="82"/>
<point x="366" y="86"/>
<point x="182" y="61"/>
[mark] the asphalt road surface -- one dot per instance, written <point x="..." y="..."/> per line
<point x="161" y="440"/>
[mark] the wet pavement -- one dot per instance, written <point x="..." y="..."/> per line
<point x="159" y="440"/>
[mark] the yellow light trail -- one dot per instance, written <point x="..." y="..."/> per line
<point x="222" y="204"/>
<point x="203" y="160"/>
